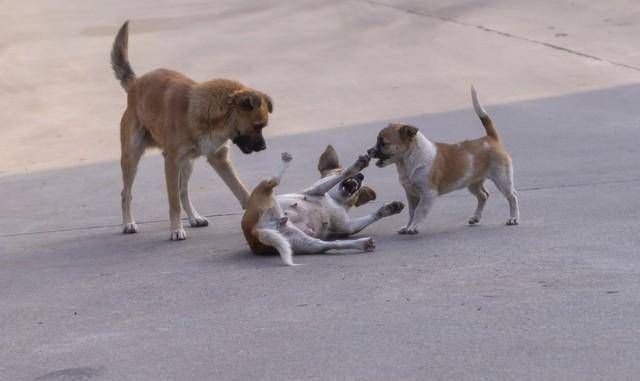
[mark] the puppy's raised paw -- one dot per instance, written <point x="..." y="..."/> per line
<point x="390" y="209"/>
<point x="129" y="228"/>
<point x="363" y="162"/>
<point x="286" y="157"/>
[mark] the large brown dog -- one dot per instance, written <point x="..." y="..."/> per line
<point x="185" y="119"/>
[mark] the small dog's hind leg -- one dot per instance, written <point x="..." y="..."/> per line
<point x="133" y="144"/>
<point x="503" y="178"/>
<point x="481" y="193"/>
<point x="195" y="219"/>
<point x="326" y="183"/>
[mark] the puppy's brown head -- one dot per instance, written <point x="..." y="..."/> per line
<point x="251" y="110"/>
<point x="349" y="192"/>
<point x="393" y="143"/>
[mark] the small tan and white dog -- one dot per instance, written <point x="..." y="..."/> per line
<point x="300" y="223"/>
<point x="427" y="170"/>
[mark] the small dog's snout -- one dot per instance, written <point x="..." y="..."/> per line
<point x="372" y="152"/>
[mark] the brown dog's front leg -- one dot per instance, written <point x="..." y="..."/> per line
<point x="223" y="166"/>
<point x="172" y="176"/>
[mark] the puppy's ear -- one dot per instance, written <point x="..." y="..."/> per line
<point x="365" y="195"/>
<point x="246" y="99"/>
<point x="407" y="132"/>
<point x="328" y="161"/>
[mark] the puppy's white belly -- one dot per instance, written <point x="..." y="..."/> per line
<point x="314" y="215"/>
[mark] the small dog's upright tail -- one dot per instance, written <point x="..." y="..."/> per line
<point x="120" y="57"/>
<point x="275" y="239"/>
<point x="484" y="117"/>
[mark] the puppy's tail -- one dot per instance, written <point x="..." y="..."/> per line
<point x="275" y="239"/>
<point x="120" y="57"/>
<point x="484" y="117"/>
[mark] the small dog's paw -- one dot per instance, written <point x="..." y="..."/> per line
<point x="129" y="228"/>
<point x="286" y="157"/>
<point x="178" y="235"/>
<point x="408" y="230"/>
<point x="369" y="244"/>
<point x="198" y="222"/>
<point x="512" y="221"/>
<point x="474" y="220"/>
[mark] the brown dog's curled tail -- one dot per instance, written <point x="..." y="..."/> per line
<point x="484" y="117"/>
<point x="120" y="57"/>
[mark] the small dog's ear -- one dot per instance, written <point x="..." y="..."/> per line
<point x="328" y="161"/>
<point x="246" y="99"/>
<point x="365" y="195"/>
<point x="408" y="132"/>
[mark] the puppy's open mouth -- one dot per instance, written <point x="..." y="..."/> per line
<point x="352" y="184"/>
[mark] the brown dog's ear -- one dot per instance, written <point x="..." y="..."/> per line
<point x="365" y="195"/>
<point x="269" y="102"/>
<point x="328" y="161"/>
<point x="246" y="99"/>
<point x="408" y="132"/>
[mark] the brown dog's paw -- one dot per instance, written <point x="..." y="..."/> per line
<point x="178" y="235"/>
<point x="198" y="222"/>
<point x="129" y="228"/>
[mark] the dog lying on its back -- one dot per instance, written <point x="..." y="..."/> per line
<point x="300" y="223"/>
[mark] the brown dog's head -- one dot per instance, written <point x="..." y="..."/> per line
<point x="392" y="144"/>
<point x="349" y="192"/>
<point x="251" y="110"/>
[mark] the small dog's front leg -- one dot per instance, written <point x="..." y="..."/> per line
<point x="413" y="198"/>
<point x="420" y="213"/>
<point x="357" y="224"/>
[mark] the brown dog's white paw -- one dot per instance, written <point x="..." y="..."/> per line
<point x="178" y="235"/>
<point x="129" y="228"/>
<point x="512" y="221"/>
<point x="198" y="222"/>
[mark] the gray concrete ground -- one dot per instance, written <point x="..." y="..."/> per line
<point x="554" y="298"/>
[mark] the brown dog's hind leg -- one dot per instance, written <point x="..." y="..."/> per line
<point x="482" y="194"/>
<point x="133" y="144"/>
<point x="195" y="219"/>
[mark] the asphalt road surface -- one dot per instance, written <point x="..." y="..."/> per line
<point x="557" y="297"/>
